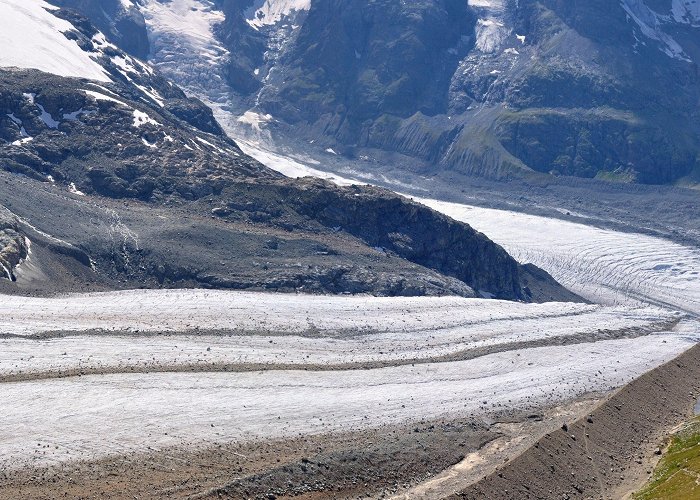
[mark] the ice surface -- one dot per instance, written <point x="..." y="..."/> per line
<point x="611" y="267"/>
<point x="183" y="44"/>
<point x="686" y="11"/>
<point x="141" y="118"/>
<point x="86" y="417"/>
<point x="607" y="266"/>
<point x="650" y="25"/>
<point x="114" y="330"/>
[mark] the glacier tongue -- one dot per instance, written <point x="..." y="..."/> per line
<point x="491" y="29"/>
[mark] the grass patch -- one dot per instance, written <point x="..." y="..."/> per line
<point x="678" y="474"/>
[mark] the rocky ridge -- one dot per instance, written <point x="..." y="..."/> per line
<point x="89" y="147"/>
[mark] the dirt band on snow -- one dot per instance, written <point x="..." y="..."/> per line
<point x="241" y="367"/>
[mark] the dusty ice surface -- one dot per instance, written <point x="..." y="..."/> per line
<point x="196" y="327"/>
<point x="182" y="310"/>
<point x="47" y="421"/>
<point x="641" y="281"/>
<point x="605" y="266"/>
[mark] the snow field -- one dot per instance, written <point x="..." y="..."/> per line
<point x="266" y="12"/>
<point x="32" y="37"/>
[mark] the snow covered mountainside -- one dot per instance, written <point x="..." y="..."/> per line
<point x="42" y="44"/>
<point x="494" y="88"/>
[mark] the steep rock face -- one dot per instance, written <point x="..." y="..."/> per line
<point x="361" y="60"/>
<point x="106" y="139"/>
<point x="134" y="135"/>
<point x="605" y="89"/>
<point x="396" y="226"/>
<point x="13" y="247"/>
<point x="357" y="239"/>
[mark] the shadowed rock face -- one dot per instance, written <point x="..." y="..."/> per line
<point x="360" y="60"/>
<point x="396" y="226"/>
<point x="498" y="88"/>
<point x="280" y="234"/>
<point x="565" y="88"/>
<point x="591" y="89"/>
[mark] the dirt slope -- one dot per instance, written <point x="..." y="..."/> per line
<point x="609" y="453"/>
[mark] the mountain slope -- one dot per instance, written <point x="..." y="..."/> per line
<point x="496" y="88"/>
<point x="590" y="89"/>
<point x="126" y="181"/>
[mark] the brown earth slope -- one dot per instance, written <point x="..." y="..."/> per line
<point x="609" y="453"/>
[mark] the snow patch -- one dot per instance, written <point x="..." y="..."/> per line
<point x="47" y="118"/>
<point x="152" y="94"/>
<point x="650" y="26"/>
<point x="213" y="146"/>
<point x="268" y="12"/>
<point x="686" y="11"/>
<point x="141" y="118"/>
<point x="255" y="120"/>
<point x="25" y="138"/>
<point x="146" y="143"/>
<point x="73" y="189"/>
<point x="103" y="97"/>
<point x="126" y="4"/>
<point x="71" y="117"/>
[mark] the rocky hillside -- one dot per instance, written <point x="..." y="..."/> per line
<point x="118" y="179"/>
<point x="603" y="89"/>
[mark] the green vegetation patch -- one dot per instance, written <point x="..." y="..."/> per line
<point x="678" y="474"/>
